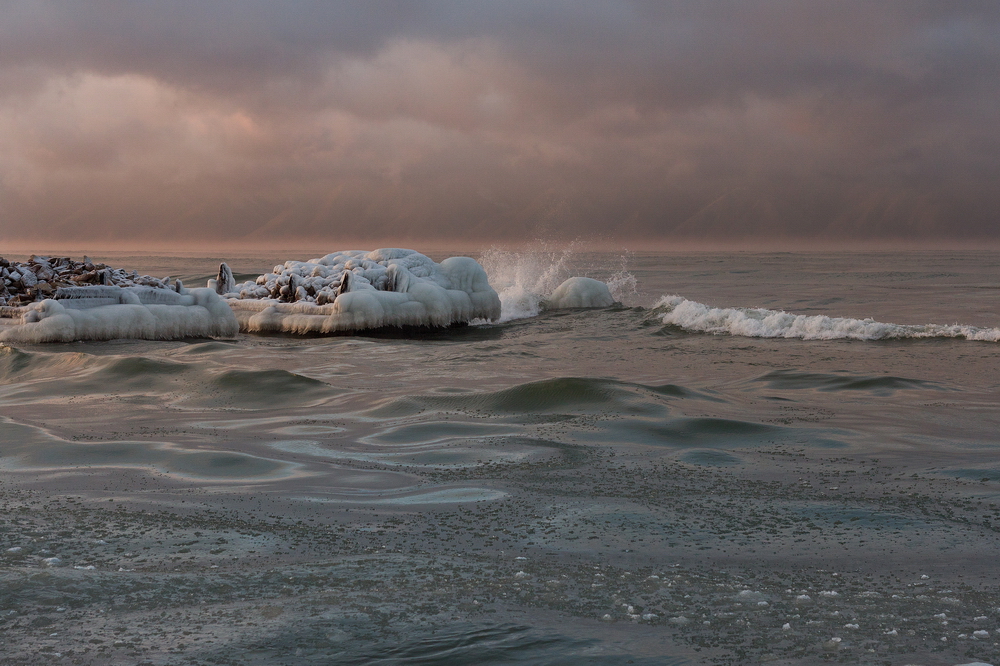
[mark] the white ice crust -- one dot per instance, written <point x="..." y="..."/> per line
<point x="580" y="292"/>
<point x="357" y="290"/>
<point x="110" y="313"/>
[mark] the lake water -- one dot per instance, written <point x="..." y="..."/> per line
<point x="636" y="484"/>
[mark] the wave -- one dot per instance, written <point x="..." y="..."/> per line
<point x="27" y="377"/>
<point x="558" y="396"/>
<point x="760" y="323"/>
<point x="819" y="381"/>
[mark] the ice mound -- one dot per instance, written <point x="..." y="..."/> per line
<point x="357" y="290"/>
<point x="110" y="312"/>
<point x="580" y="292"/>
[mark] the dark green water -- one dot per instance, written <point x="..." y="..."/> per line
<point x="576" y="487"/>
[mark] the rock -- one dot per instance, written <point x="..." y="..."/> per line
<point x="28" y="279"/>
<point x="90" y="277"/>
<point x="43" y="272"/>
<point x="40" y="277"/>
<point x="345" y="282"/>
<point x="225" y="283"/>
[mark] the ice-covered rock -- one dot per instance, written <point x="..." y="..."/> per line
<point x="39" y="277"/>
<point x="580" y="292"/>
<point x="225" y="283"/>
<point x="357" y="290"/>
<point x="110" y="312"/>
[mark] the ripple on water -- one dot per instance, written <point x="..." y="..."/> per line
<point x="703" y="432"/>
<point x="461" y="643"/>
<point x="28" y="448"/>
<point x="211" y="347"/>
<point x="594" y="411"/>
<point x="547" y="397"/>
<point x="261" y="389"/>
<point x="468" y="453"/>
<point x="42" y="377"/>
<point x="984" y="474"/>
<point x="437" y="431"/>
<point x="817" y="381"/>
<point x="450" y="495"/>
<point x="710" y="458"/>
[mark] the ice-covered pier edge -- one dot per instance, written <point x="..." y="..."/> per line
<point x="110" y="312"/>
<point x="357" y="290"/>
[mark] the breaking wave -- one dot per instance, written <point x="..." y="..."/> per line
<point x="760" y="323"/>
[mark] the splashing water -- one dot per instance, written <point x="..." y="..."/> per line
<point x="623" y="283"/>
<point x="524" y="280"/>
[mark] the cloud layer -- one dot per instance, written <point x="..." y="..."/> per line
<point x="251" y="121"/>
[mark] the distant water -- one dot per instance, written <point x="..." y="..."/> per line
<point x="784" y="458"/>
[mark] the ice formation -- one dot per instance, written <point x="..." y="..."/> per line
<point x="580" y="292"/>
<point x="111" y="312"/>
<point x="357" y="290"/>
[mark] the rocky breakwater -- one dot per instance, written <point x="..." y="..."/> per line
<point x="56" y="299"/>
<point x="39" y="277"/>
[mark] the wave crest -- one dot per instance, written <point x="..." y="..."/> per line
<point x="761" y="323"/>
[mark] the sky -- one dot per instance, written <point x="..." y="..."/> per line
<point x="261" y="122"/>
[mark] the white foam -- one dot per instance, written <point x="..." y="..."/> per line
<point x="356" y="290"/>
<point x="761" y="323"/>
<point x="110" y="313"/>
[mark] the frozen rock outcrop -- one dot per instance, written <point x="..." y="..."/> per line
<point x="357" y="290"/>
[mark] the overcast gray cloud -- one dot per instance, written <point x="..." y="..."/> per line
<point x="249" y="121"/>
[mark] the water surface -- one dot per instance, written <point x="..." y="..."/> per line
<point x="570" y="487"/>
